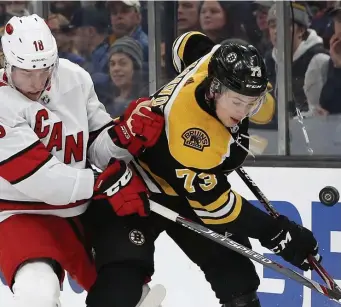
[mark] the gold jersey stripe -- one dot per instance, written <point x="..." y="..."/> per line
<point x="221" y="201"/>
<point x="230" y="218"/>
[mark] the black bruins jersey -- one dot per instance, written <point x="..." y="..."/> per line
<point x="195" y="152"/>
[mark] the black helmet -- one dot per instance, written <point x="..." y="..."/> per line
<point x="240" y="68"/>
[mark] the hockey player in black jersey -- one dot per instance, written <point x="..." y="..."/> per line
<point x="206" y="110"/>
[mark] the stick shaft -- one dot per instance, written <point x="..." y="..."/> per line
<point x="272" y="211"/>
<point x="240" y="249"/>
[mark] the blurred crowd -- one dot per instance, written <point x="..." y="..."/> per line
<point x="316" y="45"/>
<point x="105" y="38"/>
<point x="110" y="40"/>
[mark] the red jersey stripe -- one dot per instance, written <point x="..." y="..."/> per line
<point x="6" y="205"/>
<point x="24" y="163"/>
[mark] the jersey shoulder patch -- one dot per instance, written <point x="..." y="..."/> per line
<point x="196" y="138"/>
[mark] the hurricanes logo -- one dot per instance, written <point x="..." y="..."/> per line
<point x="137" y="237"/>
<point x="196" y="139"/>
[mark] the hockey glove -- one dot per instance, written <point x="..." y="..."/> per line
<point x="292" y="242"/>
<point x="124" y="190"/>
<point x="138" y="128"/>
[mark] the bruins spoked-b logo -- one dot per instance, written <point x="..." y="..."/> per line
<point x="196" y="139"/>
<point x="137" y="237"/>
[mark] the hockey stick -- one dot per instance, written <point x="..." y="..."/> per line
<point x="272" y="211"/>
<point x="240" y="249"/>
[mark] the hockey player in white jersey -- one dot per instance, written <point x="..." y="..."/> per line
<point x="51" y="123"/>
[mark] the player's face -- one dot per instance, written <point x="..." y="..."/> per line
<point x="232" y="107"/>
<point x="30" y="83"/>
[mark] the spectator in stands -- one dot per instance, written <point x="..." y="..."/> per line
<point x="61" y="30"/>
<point x="330" y="100"/>
<point x="188" y="16"/>
<point x="18" y="8"/>
<point x="309" y="56"/>
<point x="125" y="19"/>
<point x="91" y="40"/>
<point x="213" y="20"/>
<point x="66" y="8"/>
<point x="125" y="65"/>
<point x="260" y="10"/>
<point x="4" y="15"/>
<point x="322" y="21"/>
<point x="220" y="20"/>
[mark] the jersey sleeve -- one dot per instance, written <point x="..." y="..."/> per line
<point x="210" y="196"/>
<point x="188" y="48"/>
<point x="101" y="148"/>
<point x="220" y="207"/>
<point x="31" y="169"/>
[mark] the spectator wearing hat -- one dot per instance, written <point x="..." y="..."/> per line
<point x="330" y="101"/>
<point x="260" y="11"/>
<point x="91" y="40"/>
<point x="125" y="69"/>
<point x="308" y="59"/>
<point x="62" y="32"/>
<point x="126" y="19"/>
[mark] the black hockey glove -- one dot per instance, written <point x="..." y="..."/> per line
<point x="294" y="243"/>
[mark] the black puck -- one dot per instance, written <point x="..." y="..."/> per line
<point x="329" y="196"/>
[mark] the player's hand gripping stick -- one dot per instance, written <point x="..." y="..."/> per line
<point x="272" y="211"/>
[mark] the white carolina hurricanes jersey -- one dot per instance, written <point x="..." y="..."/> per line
<point x="44" y="145"/>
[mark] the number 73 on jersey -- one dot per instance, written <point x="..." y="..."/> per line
<point x="206" y="181"/>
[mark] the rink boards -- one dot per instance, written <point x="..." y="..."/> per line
<point x="293" y="192"/>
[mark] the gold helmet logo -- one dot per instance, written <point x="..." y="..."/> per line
<point x="196" y="139"/>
